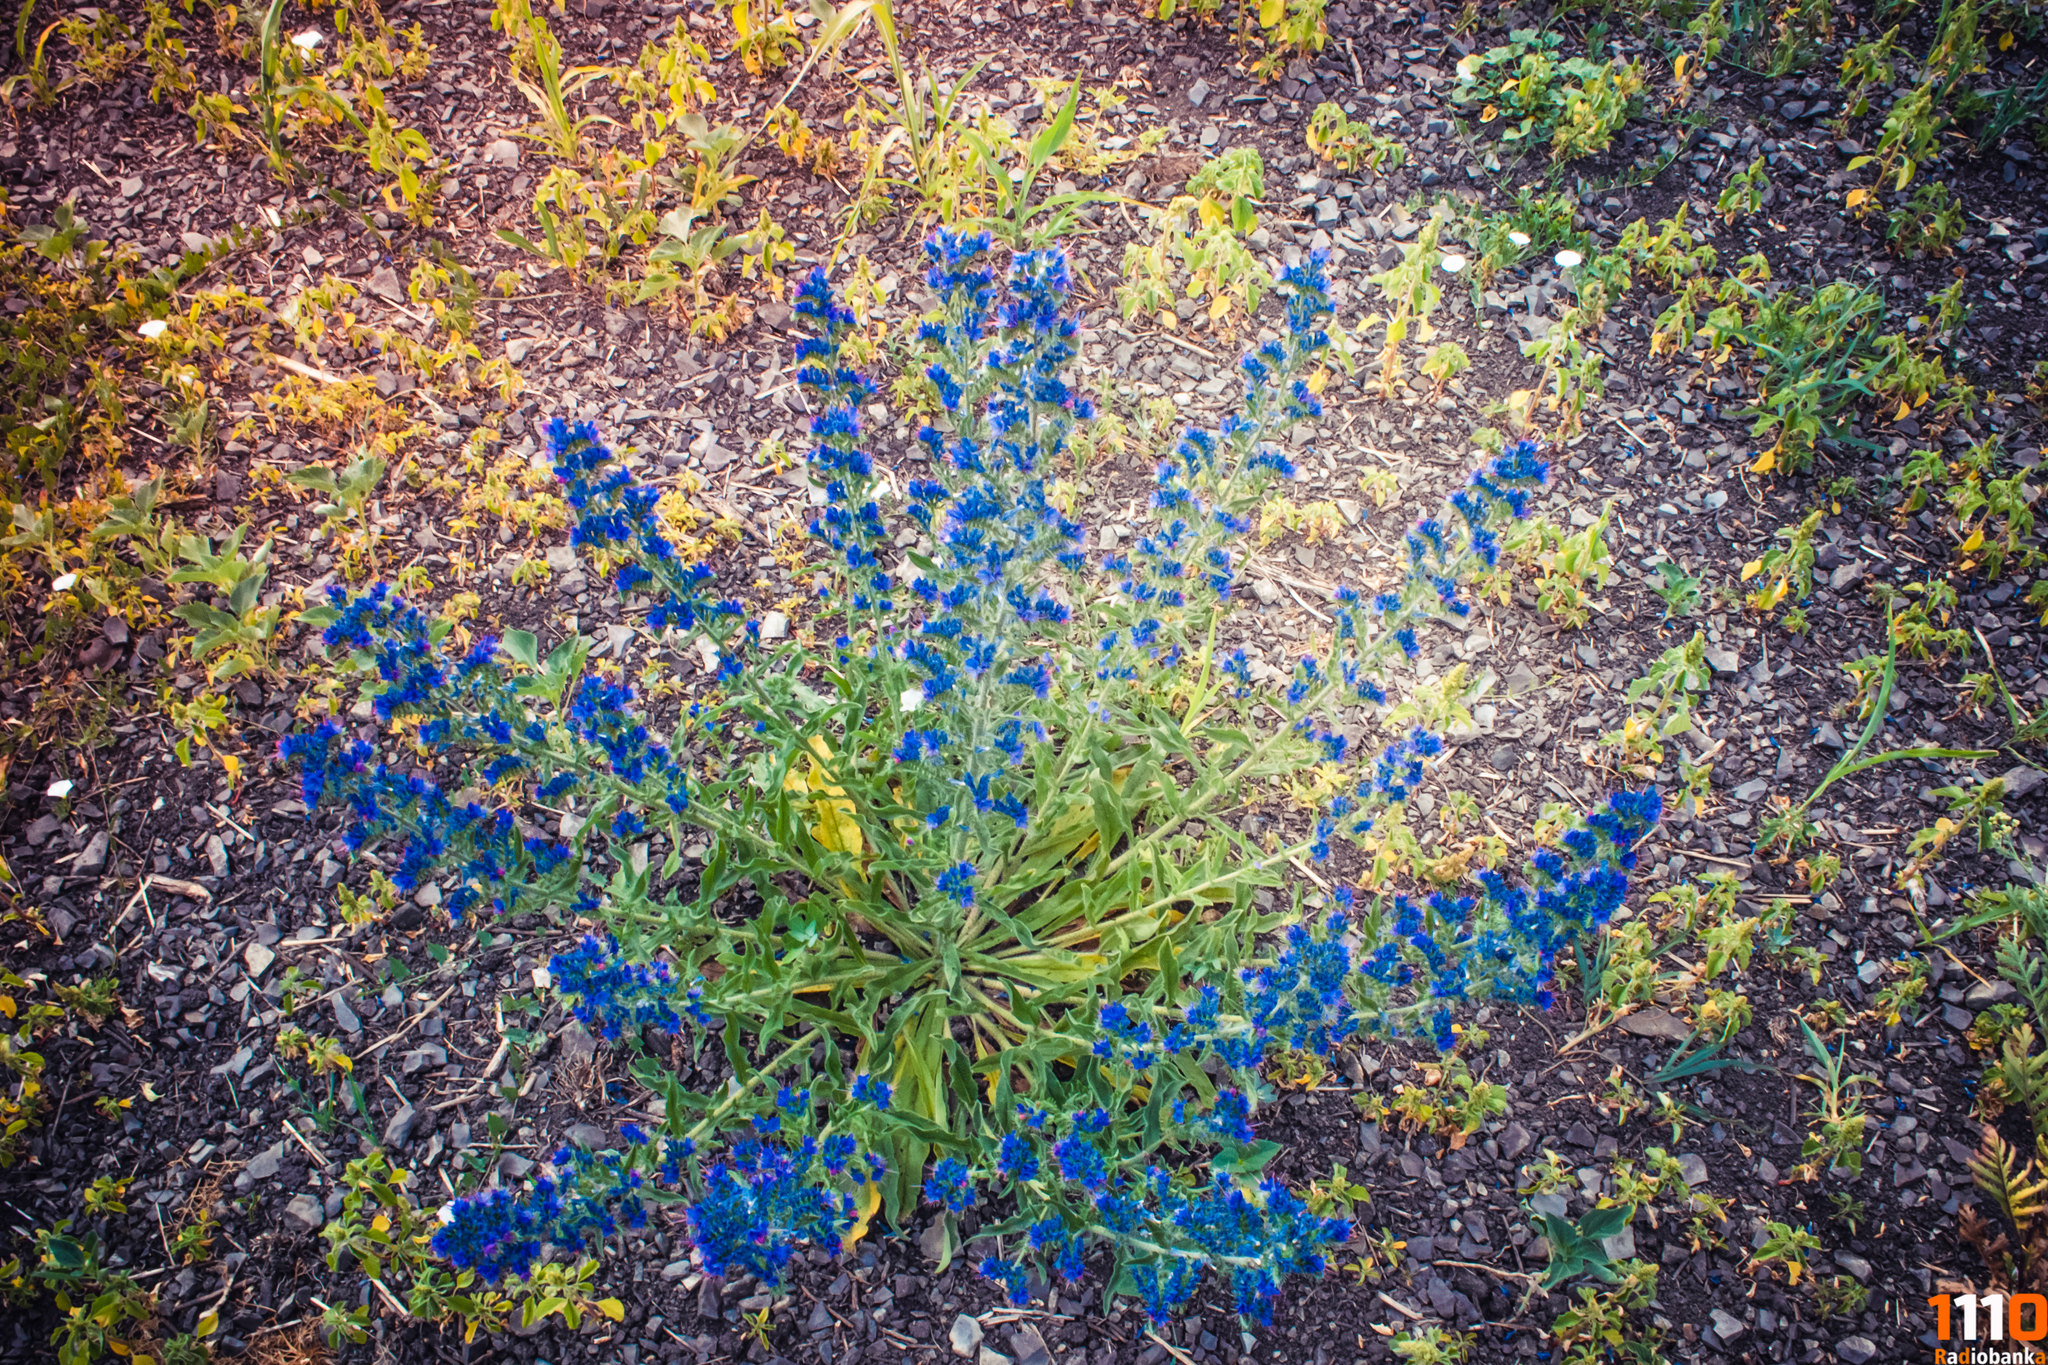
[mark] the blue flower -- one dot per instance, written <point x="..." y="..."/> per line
<point x="958" y="882"/>
<point x="950" y="1184"/>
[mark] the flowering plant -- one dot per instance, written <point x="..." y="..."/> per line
<point x="1001" y="941"/>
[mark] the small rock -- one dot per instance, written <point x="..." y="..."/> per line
<point x="588" y="1136"/>
<point x="2022" y="780"/>
<point x="1985" y="994"/>
<point x="965" y="1336"/>
<point x="1723" y="661"/>
<point x="1579" y="1135"/>
<point x="1028" y="1347"/>
<point x="518" y="348"/>
<point x="776" y="314"/>
<point x="1856" y="1350"/>
<point x="344" y="1017"/>
<point x="1197" y="92"/>
<point x="384" y="283"/>
<point x="305" y="1212"/>
<point x="398" y="1130"/>
<point x="93" y="861"/>
<point x="1652" y="1022"/>
<point x="131" y="187"/>
<point x="1693" y="1167"/>
<point x="1726" y="1325"/>
<point x="264" y="1164"/>
<point x="1515" y="1140"/>
<point x="774" y="626"/>
<point x="217" y="855"/>
<point x="1828" y="737"/>
<point x="1845" y="576"/>
<point x="257" y="959"/>
<point x="1265" y="591"/>
<point x="503" y="152"/>
<point x="1854" y="1264"/>
<point x="1751" y="790"/>
<point x="312" y="257"/>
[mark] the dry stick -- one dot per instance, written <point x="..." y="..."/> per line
<point x="1182" y="1356"/>
<point x="311" y="1150"/>
<point x="407" y="1026"/>
<point x="1491" y="1270"/>
<point x="1398" y="1306"/>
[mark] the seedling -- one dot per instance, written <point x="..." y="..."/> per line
<point x="1412" y="295"/>
<point x="1785" y="1243"/>
<point x="1680" y="591"/>
<point x="1579" y="1250"/>
<point x="1349" y="145"/>
<point x="1835" y="1139"/>
<point x="1745" y="192"/>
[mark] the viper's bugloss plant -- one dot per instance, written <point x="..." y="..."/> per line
<point x="1009" y="961"/>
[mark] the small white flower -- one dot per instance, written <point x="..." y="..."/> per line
<point x="154" y="328"/>
<point x="1567" y="258"/>
<point x="307" y="41"/>
<point x="60" y="789"/>
<point x="1451" y="264"/>
<point x="912" y="698"/>
<point x="1519" y="238"/>
<point x="447" y="1213"/>
<point x="64" y="582"/>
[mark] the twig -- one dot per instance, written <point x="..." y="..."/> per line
<point x="1593" y="1032"/>
<point x="1399" y="1307"/>
<point x="1182" y="1356"/>
<point x="311" y="1150"/>
<point x="1491" y="1270"/>
<point x="300" y="367"/>
<point x="407" y="1026"/>
<point x="229" y="820"/>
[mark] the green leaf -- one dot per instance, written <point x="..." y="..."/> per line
<point x="522" y="646"/>
<point x="1054" y="137"/>
<point x="1249" y="1161"/>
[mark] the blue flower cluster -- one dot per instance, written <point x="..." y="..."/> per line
<point x="607" y="993"/>
<point x="494" y="862"/>
<point x="1254" y="1235"/>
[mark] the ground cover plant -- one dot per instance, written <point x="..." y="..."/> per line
<point x="1121" y="683"/>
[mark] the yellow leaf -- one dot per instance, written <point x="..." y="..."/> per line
<point x="1678" y="67"/>
<point x="871" y="1202"/>
<point x="1271" y="12"/>
<point x="1792" y="1269"/>
<point x="1854" y="197"/>
<point x="1318" y="381"/>
<point x="7" y="1005"/>
<point x="1168" y="320"/>
<point x="612" y="1309"/>
<point x="1219" y="308"/>
<point x="1765" y="462"/>
<point x="208" y="1325"/>
<point x="380" y="1224"/>
<point x="1905" y="176"/>
<point x="1488" y="114"/>
<point x="1975" y="541"/>
<point x="1752" y="569"/>
<point x="1905" y="411"/>
<point x="2005" y="42"/>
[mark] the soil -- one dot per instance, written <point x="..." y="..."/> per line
<point x="206" y="891"/>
